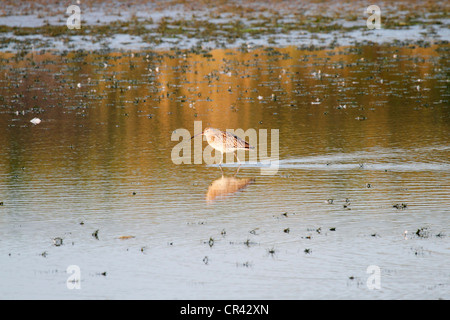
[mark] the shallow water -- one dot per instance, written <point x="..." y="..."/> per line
<point x="364" y="158"/>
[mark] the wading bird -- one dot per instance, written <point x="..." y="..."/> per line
<point x="224" y="141"/>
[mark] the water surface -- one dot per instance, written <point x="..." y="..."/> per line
<point x="363" y="174"/>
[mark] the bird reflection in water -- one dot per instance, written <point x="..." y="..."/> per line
<point x="225" y="187"/>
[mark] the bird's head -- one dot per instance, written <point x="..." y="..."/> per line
<point x="204" y="132"/>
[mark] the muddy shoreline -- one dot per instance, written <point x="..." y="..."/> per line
<point x="142" y="25"/>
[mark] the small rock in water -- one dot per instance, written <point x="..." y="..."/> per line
<point x="58" y="242"/>
<point x="35" y="121"/>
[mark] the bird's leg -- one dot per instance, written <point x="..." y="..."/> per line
<point x="237" y="159"/>
<point x="239" y="164"/>
<point x="220" y="163"/>
<point x="237" y="171"/>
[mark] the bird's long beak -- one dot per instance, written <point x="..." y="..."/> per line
<point x="198" y="134"/>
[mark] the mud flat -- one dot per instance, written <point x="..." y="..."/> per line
<point x="118" y="25"/>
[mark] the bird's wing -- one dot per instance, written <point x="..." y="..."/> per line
<point x="233" y="141"/>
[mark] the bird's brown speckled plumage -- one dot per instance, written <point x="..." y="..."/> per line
<point x="225" y="141"/>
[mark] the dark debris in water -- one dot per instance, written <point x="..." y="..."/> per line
<point x="400" y="206"/>
<point x="245" y="264"/>
<point x="211" y="242"/>
<point x="95" y="234"/>
<point x="423" y="232"/>
<point x="57" y="241"/>
<point x="249" y="243"/>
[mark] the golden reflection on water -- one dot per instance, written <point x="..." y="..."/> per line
<point x="117" y="111"/>
<point x="367" y="132"/>
<point x="225" y="187"/>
